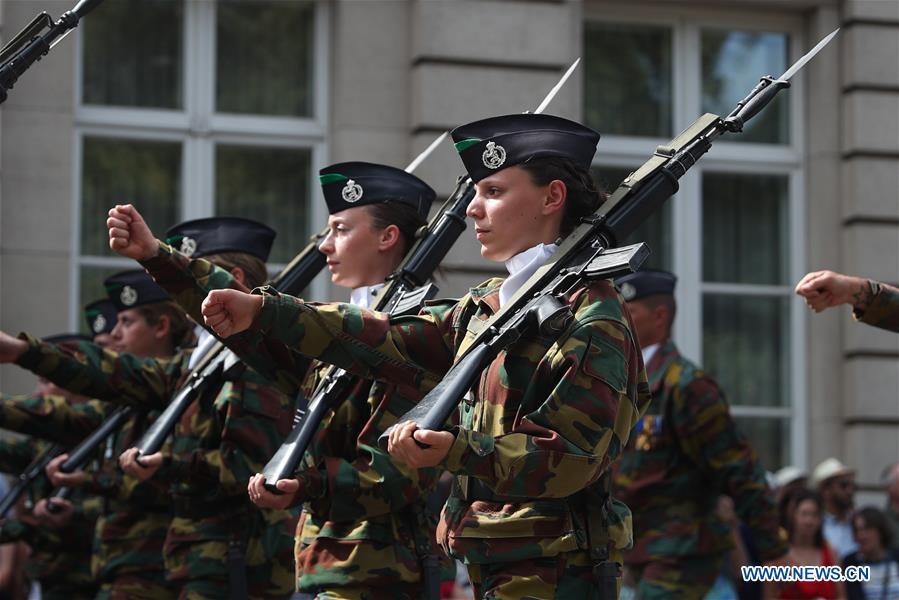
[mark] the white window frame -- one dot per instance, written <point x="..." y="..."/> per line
<point x="686" y="210"/>
<point x="199" y="129"/>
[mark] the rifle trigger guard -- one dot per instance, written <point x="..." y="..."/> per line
<point x="552" y="316"/>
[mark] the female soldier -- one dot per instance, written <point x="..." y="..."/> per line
<point x="364" y="524"/>
<point x="546" y="418"/>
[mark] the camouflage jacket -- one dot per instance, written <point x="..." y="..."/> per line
<point x="884" y="309"/>
<point x="682" y="455"/>
<point x="355" y="495"/>
<point x="61" y="558"/>
<point x="130" y="534"/>
<point x="51" y="418"/>
<point x="545" y="421"/>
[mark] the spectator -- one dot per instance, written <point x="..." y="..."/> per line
<point x="807" y="548"/>
<point x="873" y="536"/>
<point x="891" y="480"/>
<point x="789" y="478"/>
<point x="836" y="484"/>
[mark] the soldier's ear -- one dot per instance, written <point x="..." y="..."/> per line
<point x="163" y="327"/>
<point x="239" y="275"/>
<point x="389" y="237"/>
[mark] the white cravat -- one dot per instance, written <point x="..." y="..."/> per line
<point x="522" y="266"/>
<point x="364" y="297"/>
<point x="649" y="352"/>
<point x="204" y="341"/>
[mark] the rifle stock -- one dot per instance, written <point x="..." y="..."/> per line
<point x="81" y="454"/>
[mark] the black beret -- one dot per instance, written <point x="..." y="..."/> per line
<point x="350" y="184"/>
<point x="490" y="145"/>
<point x="100" y="316"/>
<point x="133" y="288"/>
<point x="212" y="235"/>
<point x="648" y="282"/>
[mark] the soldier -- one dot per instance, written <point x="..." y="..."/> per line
<point x="129" y="536"/>
<point x="218" y="545"/>
<point x="683" y="453"/>
<point x="872" y="302"/>
<point x="60" y="543"/>
<point x="529" y="512"/>
<point x="364" y="525"/>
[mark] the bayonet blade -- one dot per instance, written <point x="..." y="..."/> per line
<point x="425" y="153"/>
<point x="808" y="56"/>
<point x="552" y="93"/>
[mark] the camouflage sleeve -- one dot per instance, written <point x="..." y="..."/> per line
<point x="16" y="530"/>
<point x="410" y="350"/>
<point x="883" y="311"/>
<point x="579" y="426"/>
<point x="189" y="281"/>
<point x="117" y="377"/>
<point x="51" y="417"/>
<point x="366" y="483"/>
<point x="708" y="435"/>
<point x="16" y="455"/>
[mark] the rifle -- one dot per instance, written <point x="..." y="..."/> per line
<point x="218" y="361"/>
<point x="403" y="294"/>
<point x="34" y="470"/>
<point x="30" y="44"/>
<point x="82" y="453"/>
<point x="589" y="253"/>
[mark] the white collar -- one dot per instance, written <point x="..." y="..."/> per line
<point x="649" y="352"/>
<point x="204" y="341"/>
<point x="522" y="266"/>
<point x="364" y="297"/>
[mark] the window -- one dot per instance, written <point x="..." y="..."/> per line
<point x="190" y="109"/>
<point x="732" y="234"/>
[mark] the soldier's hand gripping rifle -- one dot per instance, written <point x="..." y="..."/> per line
<point x="85" y="450"/>
<point x="33" y="42"/>
<point x="217" y="361"/>
<point x="588" y="253"/>
<point x="402" y="295"/>
<point x="34" y="470"/>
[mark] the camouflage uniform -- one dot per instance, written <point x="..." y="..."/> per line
<point x="682" y="455"/>
<point x="129" y="534"/>
<point x="546" y="420"/>
<point x="883" y="311"/>
<point x="363" y="511"/>
<point x="51" y="418"/>
<point x="223" y="438"/>
<point x="60" y="558"/>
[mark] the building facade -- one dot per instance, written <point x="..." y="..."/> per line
<point x="189" y="108"/>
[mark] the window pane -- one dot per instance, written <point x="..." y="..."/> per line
<point x="133" y="54"/>
<point x="655" y="231"/>
<point x="91" y="288"/>
<point x="770" y="437"/>
<point x="627" y="79"/>
<point x="745" y="345"/>
<point x="270" y="185"/>
<point x="264" y="54"/>
<point x="745" y="228"/>
<point x="732" y="63"/>
<point x="119" y="171"/>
